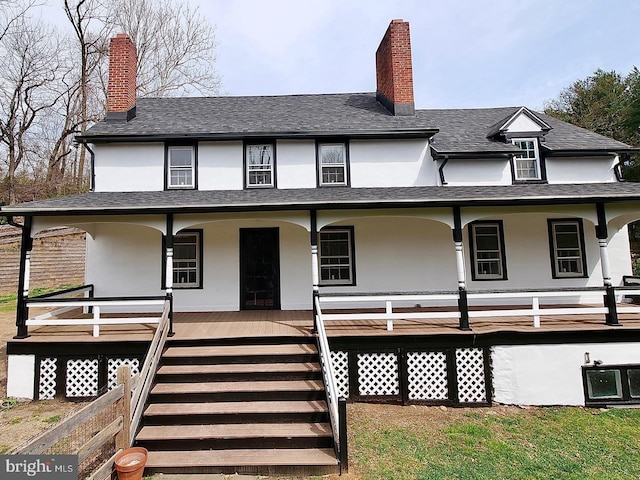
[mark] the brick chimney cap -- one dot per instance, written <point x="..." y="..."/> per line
<point x="397" y="20"/>
<point x="122" y="35"/>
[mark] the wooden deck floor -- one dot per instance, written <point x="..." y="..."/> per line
<point x="276" y="323"/>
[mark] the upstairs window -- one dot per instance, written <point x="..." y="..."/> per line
<point x="487" y="251"/>
<point x="181" y="170"/>
<point x="260" y="165"/>
<point x="567" y="248"/>
<point x="526" y="165"/>
<point x="336" y="256"/>
<point x="332" y="163"/>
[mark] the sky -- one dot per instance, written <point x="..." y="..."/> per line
<point x="466" y="53"/>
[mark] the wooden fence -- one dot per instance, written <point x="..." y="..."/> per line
<point x="108" y="424"/>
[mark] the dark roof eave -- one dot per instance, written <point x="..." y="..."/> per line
<point x="471" y="155"/>
<point x="588" y="153"/>
<point x="374" y="133"/>
<point x="323" y="205"/>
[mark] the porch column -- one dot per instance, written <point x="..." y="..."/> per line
<point x="602" y="235"/>
<point x="26" y="246"/>
<point x="463" y="304"/>
<point x="315" y="274"/>
<point x="169" y="270"/>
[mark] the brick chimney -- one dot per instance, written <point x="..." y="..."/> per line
<point x="121" y="92"/>
<point x="394" y="73"/>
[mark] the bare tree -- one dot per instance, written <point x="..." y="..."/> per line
<point x="28" y="89"/>
<point x="175" y="43"/>
<point x="90" y="32"/>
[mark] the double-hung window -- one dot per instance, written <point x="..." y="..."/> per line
<point x="487" y="250"/>
<point x="566" y="240"/>
<point x="181" y="166"/>
<point x="187" y="259"/>
<point x="260" y="165"/>
<point x="336" y="256"/>
<point x="332" y="163"/>
<point x="526" y="165"/>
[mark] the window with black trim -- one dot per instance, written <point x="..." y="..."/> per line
<point x="332" y="163"/>
<point x="336" y="256"/>
<point x="181" y="167"/>
<point x="187" y="259"/>
<point x="487" y="250"/>
<point x="566" y="241"/>
<point x="611" y="384"/>
<point x="526" y="165"/>
<point x="260" y="165"/>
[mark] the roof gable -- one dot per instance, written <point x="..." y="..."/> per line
<point x="523" y="121"/>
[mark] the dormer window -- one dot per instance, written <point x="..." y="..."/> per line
<point x="526" y="165"/>
<point x="181" y="166"/>
<point x="332" y="163"/>
<point x="260" y="163"/>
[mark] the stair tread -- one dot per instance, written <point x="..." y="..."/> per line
<point x="249" y="457"/>
<point x="239" y="368"/>
<point x="204" y="408"/>
<point x="254" y="386"/>
<point x="240" y="350"/>
<point x="234" y="431"/>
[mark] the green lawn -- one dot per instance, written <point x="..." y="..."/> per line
<point x="499" y="443"/>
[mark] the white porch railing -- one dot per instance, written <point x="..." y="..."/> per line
<point x="387" y="301"/>
<point x="506" y="300"/>
<point x="329" y="378"/>
<point x="94" y="305"/>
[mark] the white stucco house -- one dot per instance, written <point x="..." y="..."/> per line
<point x="384" y="213"/>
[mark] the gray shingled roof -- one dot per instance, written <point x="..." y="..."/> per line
<point x="346" y="113"/>
<point x="187" y="201"/>
<point x="460" y="130"/>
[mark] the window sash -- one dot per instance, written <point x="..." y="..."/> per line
<point x="568" y="254"/>
<point x="488" y="256"/>
<point x="527" y="163"/>
<point x="260" y="165"/>
<point x="333" y="164"/>
<point x="181" y="167"/>
<point x="186" y="260"/>
<point x="336" y="257"/>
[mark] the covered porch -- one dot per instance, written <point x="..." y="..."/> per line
<point x="294" y="323"/>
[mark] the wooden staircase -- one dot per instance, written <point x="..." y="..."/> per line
<point x="247" y="407"/>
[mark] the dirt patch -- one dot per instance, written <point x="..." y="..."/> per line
<point x="22" y="420"/>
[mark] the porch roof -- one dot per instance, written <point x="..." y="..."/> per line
<point x="205" y="201"/>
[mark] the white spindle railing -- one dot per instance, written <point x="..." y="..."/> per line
<point x="95" y="304"/>
<point x="495" y="304"/>
<point x="143" y="380"/>
<point x="329" y="377"/>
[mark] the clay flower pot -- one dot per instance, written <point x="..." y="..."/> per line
<point x="130" y="463"/>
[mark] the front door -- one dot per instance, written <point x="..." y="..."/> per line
<point x="259" y="269"/>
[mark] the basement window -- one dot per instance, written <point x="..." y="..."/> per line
<point x="611" y="384"/>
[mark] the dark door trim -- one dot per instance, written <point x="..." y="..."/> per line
<point x="256" y="245"/>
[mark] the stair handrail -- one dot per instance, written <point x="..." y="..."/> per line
<point x="328" y="375"/>
<point x="141" y="383"/>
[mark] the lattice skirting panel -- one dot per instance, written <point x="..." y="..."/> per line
<point x="449" y="376"/>
<point x="79" y="377"/>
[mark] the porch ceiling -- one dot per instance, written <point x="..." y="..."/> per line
<point x="199" y="201"/>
